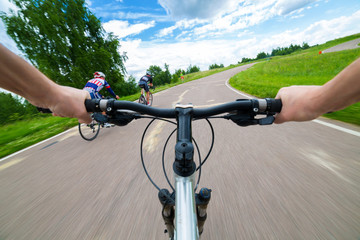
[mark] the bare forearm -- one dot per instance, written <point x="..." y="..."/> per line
<point x="342" y="91"/>
<point x="20" y="77"/>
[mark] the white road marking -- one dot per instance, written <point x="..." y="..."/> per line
<point x="11" y="163"/>
<point x="237" y="91"/>
<point x="322" y="159"/>
<point x="355" y="133"/>
<point x="152" y="139"/>
<point x="181" y="97"/>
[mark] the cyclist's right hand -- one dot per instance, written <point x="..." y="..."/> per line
<point x="298" y="105"/>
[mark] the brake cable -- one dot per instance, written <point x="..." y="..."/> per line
<point x="163" y="158"/>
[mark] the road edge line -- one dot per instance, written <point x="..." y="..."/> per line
<point x="36" y="144"/>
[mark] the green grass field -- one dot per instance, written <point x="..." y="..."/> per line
<point x="303" y="68"/>
<point x="264" y="79"/>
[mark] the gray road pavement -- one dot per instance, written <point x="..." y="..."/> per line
<point x="344" y="46"/>
<point x="289" y="181"/>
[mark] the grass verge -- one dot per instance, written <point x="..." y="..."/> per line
<point x="21" y="134"/>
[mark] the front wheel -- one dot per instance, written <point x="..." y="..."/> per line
<point x="150" y="98"/>
<point x="142" y="99"/>
<point x="89" y="131"/>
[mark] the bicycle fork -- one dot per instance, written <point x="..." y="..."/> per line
<point x="167" y="200"/>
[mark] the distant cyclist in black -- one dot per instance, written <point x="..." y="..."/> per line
<point x="144" y="83"/>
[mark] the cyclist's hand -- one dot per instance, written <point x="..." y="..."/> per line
<point x="117" y="97"/>
<point x="69" y="102"/>
<point x="298" y="104"/>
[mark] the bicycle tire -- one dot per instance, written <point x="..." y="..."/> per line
<point x="142" y="99"/>
<point x="150" y="98"/>
<point x="89" y="131"/>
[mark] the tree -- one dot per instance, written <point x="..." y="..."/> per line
<point x="129" y="87"/>
<point x="165" y="75"/>
<point x="262" y="55"/>
<point x="176" y="76"/>
<point x="213" y="66"/>
<point x="192" y="69"/>
<point x="160" y="77"/>
<point x="155" y="70"/>
<point x="13" y="108"/>
<point x="305" y="45"/>
<point x="65" y="41"/>
<point x="244" y="60"/>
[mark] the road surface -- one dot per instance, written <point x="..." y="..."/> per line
<point x="344" y="46"/>
<point x="289" y="181"/>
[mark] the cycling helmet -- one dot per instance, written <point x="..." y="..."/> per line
<point x="99" y="75"/>
<point x="148" y="73"/>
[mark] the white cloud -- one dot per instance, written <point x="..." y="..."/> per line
<point x="123" y="28"/>
<point x="182" y="54"/>
<point x="323" y="31"/>
<point x="230" y="17"/>
<point x="5" y="5"/>
<point x="284" y="7"/>
<point x="88" y="2"/>
<point x="206" y="52"/>
<point x="182" y="24"/>
<point x="202" y="9"/>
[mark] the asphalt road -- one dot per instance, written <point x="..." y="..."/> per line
<point x="344" y="46"/>
<point x="289" y="181"/>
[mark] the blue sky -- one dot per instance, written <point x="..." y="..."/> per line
<point x="204" y="32"/>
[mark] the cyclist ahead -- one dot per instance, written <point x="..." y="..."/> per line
<point x="143" y="83"/>
<point x="94" y="85"/>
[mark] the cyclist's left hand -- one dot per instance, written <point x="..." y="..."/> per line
<point x="117" y="97"/>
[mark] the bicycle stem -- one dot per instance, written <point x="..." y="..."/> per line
<point x="184" y="164"/>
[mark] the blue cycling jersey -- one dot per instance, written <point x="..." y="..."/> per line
<point x="94" y="85"/>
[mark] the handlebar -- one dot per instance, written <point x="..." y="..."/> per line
<point x="242" y="111"/>
<point x="256" y="106"/>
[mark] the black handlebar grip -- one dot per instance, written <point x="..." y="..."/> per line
<point x="273" y="105"/>
<point x="92" y="105"/>
<point x="276" y="105"/>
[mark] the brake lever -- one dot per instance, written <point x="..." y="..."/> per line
<point x="244" y="120"/>
<point x="121" y="119"/>
<point x="268" y="120"/>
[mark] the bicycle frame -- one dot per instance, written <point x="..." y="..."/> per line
<point x="143" y="98"/>
<point x="184" y="172"/>
<point x="185" y="211"/>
